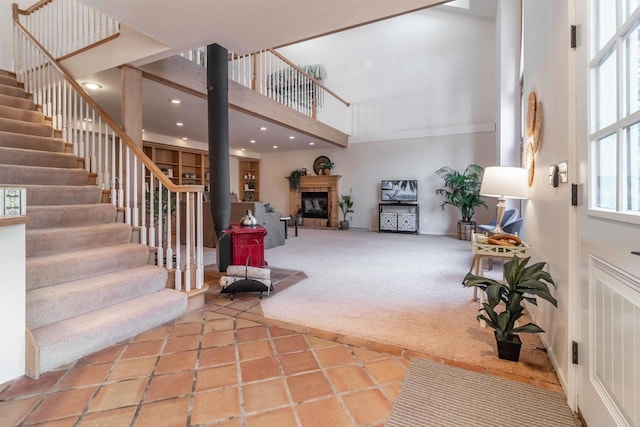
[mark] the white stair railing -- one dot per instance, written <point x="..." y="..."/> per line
<point x="135" y="184"/>
<point x="65" y="26"/>
<point x="273" y="75"/>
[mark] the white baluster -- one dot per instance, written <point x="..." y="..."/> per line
<point x="200" y="243"/>
<point x="136" y="212"/>
<point x="169" y="217"/>
<point x="114" y="194"/>
<point x="152" y="219"/>
<point x="127" y="177"/>
<point x="178" y="272"/>
<point x="160" y="230"/>
<point x="120" y="175"/>
<point x="187" y="271"/>
<point x="143" y="192"/>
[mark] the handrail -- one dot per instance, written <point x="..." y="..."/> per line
<point x="307" y="75"/>
<point x="36" y="6"/>
<point x="105" y="116"/>
<point x="68" y="27"/>
<point x="144" y="193"/>
<point x="271" y="74"/>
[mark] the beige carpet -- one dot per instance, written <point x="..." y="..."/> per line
<point x="397" y="289"/>
<point x="437" y="395"/>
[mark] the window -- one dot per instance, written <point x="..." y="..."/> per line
<point x="615" y="108"/>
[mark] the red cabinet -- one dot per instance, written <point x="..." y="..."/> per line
<point x="248" y="243"/>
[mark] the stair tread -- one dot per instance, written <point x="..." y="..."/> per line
<point x="26" y="141"/>
<point x="70" y="299"/>
<point x="61" y="239"/>
<point x="30" y="157"/>
<point x="28" y="128"/>
<point x="47" y="270"/>
<point x="70" y="215"/>
<point x="19" y="174"/>
<point x="21" y="114"/>
<point x="13" y="91"/>
<point x="51" y="195"/>
<point x="68" y="340"/>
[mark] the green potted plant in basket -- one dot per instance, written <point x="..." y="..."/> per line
<point x="521" y="284"/>
<point x="345" y="204"/>
<point x="462" y="190"/>
<point x="326" y="167"/>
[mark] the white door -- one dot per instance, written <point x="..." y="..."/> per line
<point x="608" y="130"/>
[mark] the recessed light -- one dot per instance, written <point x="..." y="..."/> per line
<point x="263" y="128"/>
<point x="142" y="130"/>
<point x="253" y="141"/>
<point x="312" y="143"/>
<point x="292" y="137"/>
<point x="179" y="124"/>
<point x="91" y="85"/>
<point x="175" y="101"/>
<point x="275" y="146"/>
<point x="242" y="149"/>
<point x="184" y="138"/>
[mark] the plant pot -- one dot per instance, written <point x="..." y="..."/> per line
<point x="465" y="229"/>
<point x="326" y="171"/>
<point x="509" y="350"/>
<point x="344" y="225"/>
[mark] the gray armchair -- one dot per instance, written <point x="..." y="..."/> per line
<point x="509" y="218"/>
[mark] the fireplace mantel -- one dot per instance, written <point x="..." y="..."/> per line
<point x="328" y="183"/>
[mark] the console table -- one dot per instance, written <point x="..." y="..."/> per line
<point x="398" y="217"/>
<point x="482" y="250"/>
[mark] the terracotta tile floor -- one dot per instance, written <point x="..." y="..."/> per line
<point x="224" y="365"/>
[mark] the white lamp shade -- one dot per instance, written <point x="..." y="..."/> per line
<point x="505" y="182"/>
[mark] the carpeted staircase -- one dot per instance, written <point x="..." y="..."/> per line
<point x="88" y="286"/>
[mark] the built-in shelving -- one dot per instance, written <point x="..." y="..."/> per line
<point x="183" y="166"/>
<point x="249" y="179"/>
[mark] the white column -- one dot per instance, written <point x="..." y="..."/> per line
<point x="12" y="303"/>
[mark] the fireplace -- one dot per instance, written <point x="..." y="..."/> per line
<point x="315" y="204"/>
<point x="322" y="192"/>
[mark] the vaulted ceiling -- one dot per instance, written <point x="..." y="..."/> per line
<point x="241" y="26"/>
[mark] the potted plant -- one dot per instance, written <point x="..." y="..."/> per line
<point x="294" y="179"/>
<point x="521" y="282"/>
<point x="462" y="190"/>
<point x="326" y="167"/>
<point x="300" y="218"/>
<point x="345" y="204"/>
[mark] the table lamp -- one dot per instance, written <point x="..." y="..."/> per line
<point x="504" y="182"/>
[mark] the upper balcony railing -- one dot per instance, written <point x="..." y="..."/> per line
<point x="148" y="198"/>
<point x="297" y="87"/>
<point x="66" y="27"/>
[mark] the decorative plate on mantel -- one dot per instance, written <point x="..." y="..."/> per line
<point x="317" y="162"/>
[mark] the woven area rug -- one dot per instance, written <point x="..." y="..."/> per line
<point x="438" y="395"/>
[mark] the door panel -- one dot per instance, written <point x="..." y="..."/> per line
<point x="608" y="389"/>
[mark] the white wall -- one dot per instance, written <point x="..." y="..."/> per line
<point x="363" y="166"/>
<point x="425" y="70"/>
<point x="546" y="71"/>
<point x="427" y="73"/>
<point x="508" y="30"/>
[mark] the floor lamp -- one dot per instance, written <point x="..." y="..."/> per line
<point x="504" y="182"/>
